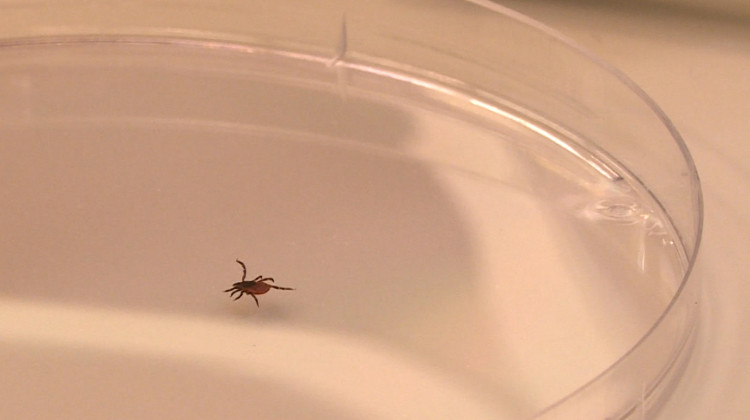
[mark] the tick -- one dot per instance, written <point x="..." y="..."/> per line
<point x="257" y="286"/>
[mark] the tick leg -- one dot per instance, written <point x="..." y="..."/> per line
<point x="236" y="291"/>
<point x="256" y="299"/>
<point x="230" y="289"/>
<point x="258" y="278"/>
<point x="267" y="279"/>
<point x="244" y="270"/>
<point x="279" y="287"/>
<point x="240" y="295"/>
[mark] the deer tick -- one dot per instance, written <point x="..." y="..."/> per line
<point x="257" y="286"/>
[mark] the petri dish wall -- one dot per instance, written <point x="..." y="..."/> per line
<point x="479" y="219"/>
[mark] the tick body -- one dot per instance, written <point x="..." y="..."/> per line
<point x="257" y="286"/>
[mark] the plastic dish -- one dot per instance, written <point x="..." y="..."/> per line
<point x="479" y="219"/>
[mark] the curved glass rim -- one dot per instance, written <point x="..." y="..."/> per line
<point x="679" y="141"/>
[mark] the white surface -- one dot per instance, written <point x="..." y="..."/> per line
<point x="697" y="68"/>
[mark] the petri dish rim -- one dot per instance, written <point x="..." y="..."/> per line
<point x="687" y="280"/>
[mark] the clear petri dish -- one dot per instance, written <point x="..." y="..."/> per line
<point x="479" y="219"/>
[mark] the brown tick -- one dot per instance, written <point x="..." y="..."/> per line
<point x="257" y="286"/>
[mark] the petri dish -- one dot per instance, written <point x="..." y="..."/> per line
<point x="479" y="218"/>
